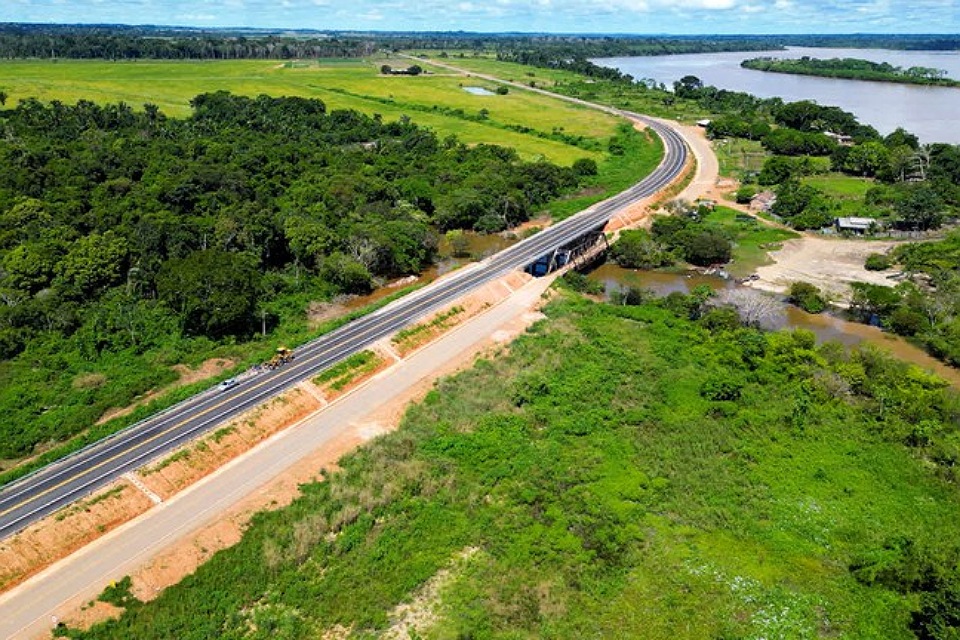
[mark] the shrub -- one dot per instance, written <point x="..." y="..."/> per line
<point x="807" y="297"/>
<point x="878" y="262"/>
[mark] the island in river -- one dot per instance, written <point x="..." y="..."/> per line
<point x="852" y="69"/>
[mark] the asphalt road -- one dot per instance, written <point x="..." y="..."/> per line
<point x="59" y="484"/>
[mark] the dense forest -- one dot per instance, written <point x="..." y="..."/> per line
<point x="125" y="235"/>
<point x="852" y="69"/>
<point x="655" y="470"/>
<point x="121" y="42"/>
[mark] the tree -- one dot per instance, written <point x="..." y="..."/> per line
<point x="920" y="209"/>
<point x="635" y="249"/>
<point x="707" y="248"/>
<point x="584" y="167"/>
<point x="213" y="291"/>
<point x="3" y="98"/>
<point x="414" y="70"/>
<point x="386" y="69"/>
<point x="502" y="90"/>
<point x="687" y="86"/>
<point x="867" y="159"/>
<point x="807" y="297"/>
<point x="93" y="263"/>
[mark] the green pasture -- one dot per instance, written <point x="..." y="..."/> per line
<point x="837" y="185"/>
<point x="427" y="99"/>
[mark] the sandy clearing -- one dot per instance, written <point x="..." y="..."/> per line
<point x="829" y="263"/>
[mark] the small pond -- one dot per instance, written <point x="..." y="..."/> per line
<point x="479" y="91"/>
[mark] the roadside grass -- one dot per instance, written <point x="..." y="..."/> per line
<point x="752" y="239"/>
<point x="635" y="507"/>
<point x="643" y="151"/>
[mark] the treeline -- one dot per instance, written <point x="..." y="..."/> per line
<point x="180" y="47"/>
<point x="925" y="307"/>
<point x="125" y="233"/>
<point x="852" y="69"/>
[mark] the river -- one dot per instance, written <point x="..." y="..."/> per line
<point x="827" y="327"/>
<point x="932" y="113"/>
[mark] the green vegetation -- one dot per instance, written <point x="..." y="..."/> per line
<point x="130" y="241"/>
<point x="346" y="371"/>
<point x="924" y="307"/>
<point x="341" y="84"/>
<point x="701" y="236"/>
<point x="412" y="334"/>
<point x="751" y="238"/>
<point x="852" y="69"/>
<point x="718" y="483"/>
<point x="807" y="296"/>
<point x="878" y="262"/>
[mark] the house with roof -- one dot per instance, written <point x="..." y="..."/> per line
<point x="859" y="226"/>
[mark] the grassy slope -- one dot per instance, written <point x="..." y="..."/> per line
<point x="606" y="498"/>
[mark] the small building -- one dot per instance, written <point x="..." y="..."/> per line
<point x="703" y="123"/>
<point x="763" y="201"/>
<point x="859" y="226"/>
<point x="839" y="138"/>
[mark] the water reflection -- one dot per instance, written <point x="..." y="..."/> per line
<point x="825" y="326"/>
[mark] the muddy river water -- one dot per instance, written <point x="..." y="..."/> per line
<point x="827" y="327"/>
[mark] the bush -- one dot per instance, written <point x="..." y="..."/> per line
<point x="878" y="262"/>
<point x="502" y="90"/>
<point x="807" y="297"/>
<point x="745" y="194"/>
<point x="706" y="248"/>
<point x="635" y="249"/>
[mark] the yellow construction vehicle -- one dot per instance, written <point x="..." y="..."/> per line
<point x="280" y="358"/>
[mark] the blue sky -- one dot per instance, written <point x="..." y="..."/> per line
<point x="565" y="16"/>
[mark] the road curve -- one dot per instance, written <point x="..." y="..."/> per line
<point x="45" y="491"/>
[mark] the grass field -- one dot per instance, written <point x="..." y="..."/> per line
<point x="432" y="99"/>
<point x="738" y="156"/>
<point x="846" y="192"/>
<point x="837" y="185"/>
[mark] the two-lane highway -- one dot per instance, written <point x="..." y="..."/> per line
<point x="61" y="483"/>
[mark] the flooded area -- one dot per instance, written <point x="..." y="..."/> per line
<point x="479" y="91"/>
<point x="826" y="327"/>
